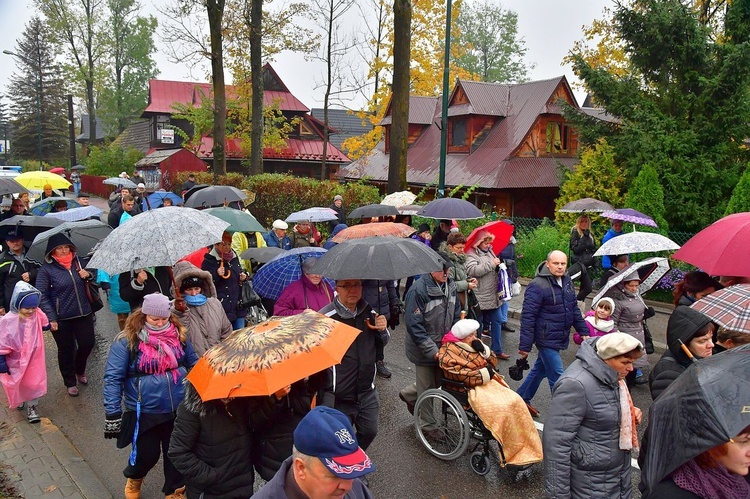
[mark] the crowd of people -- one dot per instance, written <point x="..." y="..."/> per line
<point x="310" y="438"/>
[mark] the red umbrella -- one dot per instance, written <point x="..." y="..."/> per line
<point x="501" y="230"/>
<point x="721" y="248"/>
<point x="57" y="170"/>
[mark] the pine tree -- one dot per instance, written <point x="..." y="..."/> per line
<point x="740" y="200"/>
<point x="647" y="196"/>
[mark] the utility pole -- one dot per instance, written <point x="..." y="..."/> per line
<point x="72" y="132"/>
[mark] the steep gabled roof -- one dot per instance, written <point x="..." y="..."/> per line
<point x="344" y="124"/>
<point x="421" y="111"/>
<point x="489" y="99"/>
<point x="137" y="135"/>
<point x="84" y="135"/>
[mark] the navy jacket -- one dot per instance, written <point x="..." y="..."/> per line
<point x="549" y="311"/>
<point x="63" y="292"/>
<point x="272" y="240"/>
<point x="380" y="295"/>
<point x="227" y="290"/>
<point x="274" y="489"/>
<point x="133" y="293"/>
<point x="10" y="273"/>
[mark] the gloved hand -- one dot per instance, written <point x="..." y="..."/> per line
<point x="180" y="304"/>
<point x="649" y="312"/>
<point x="477" y="345"/>
<point x="396" y="308"/>
<point x="112" y="425"/>
<point x="4" y="365"/>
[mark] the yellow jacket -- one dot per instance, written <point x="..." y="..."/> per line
<point x="239" y="244"/>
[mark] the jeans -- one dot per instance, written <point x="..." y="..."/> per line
<point x="76" y="188"/>
<point x="238" y="323"/>
<point x="548" y="365"/>
<point x="504" y="306"/>
<point x="492" y="317"/>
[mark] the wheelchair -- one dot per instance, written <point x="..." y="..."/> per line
<point x="457" y="427"/>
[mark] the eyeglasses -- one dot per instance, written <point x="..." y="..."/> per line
<point x="347" y="286"/>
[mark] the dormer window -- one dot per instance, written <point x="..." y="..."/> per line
<point x="458" y="134"/>
<point x="558" y="138"/>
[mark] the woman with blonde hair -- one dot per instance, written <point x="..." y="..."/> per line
<point x="582" y="249"/>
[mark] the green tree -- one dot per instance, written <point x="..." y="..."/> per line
<point x="646" y="195"/>
<point x="110" y="161"/>
<point x="493" y="49"/>
<point x="740" y="200"/>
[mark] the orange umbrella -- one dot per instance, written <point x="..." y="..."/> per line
<point x="375" y="229"/>
<point x="262" y="359"/>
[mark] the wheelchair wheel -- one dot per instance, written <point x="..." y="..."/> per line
<point x="480" y="463"/>
<point x="442" y="424"/>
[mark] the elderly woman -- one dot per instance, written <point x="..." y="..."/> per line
<point x="453" y="247"/>
<point x="146" y="366"/>
<point x="493" y="286"/>
<point x="303" y="235"/>
<point x="590" y="430"/>
<point x="582" y="248"/>
<point x="628" y="316"/>
<point x="62" y="282"/>
<point x="694" y="286"/>
<point x="308" y="292"/>
<point x="226" y="271"/>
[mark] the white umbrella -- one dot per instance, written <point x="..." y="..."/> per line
<point x="636" y="242"/>
<point x="650" y="271"/>
<point x="315" y="214"/>
<point x="76" y="214"/>
<point x="397" y="199"/>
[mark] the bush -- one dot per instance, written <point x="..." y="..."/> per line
<point x="534" y="245"/>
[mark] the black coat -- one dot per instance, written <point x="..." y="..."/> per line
<point x="340" y="213"/>
<point x="667" y="489"/>
<point x="582" y="249"/>
<point x="10" y="273"/>
<point x="133" y="293"/>
<point x="227" y="290"/>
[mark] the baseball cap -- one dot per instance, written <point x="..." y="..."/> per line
<point x="327" y="434"/>
<point x="13" y="235"/>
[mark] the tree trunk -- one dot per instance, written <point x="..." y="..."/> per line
<point x="256" y="75"/>
<point x="215" y="18"/>
<point x="400" y="98"/>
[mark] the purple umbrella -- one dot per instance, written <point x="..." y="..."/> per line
<point x="630" y="215"/>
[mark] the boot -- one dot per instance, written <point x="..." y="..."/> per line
<point x="133" y="488"/>
<point x="177" y="494"/>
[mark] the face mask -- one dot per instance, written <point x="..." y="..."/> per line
<point x="196" y="300"/>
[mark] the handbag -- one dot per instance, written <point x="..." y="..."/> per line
<point x="248" y="297"/>
<point x="92" y="293"/>
<point x="472" y="305"/>
<point x="648" y="343"/>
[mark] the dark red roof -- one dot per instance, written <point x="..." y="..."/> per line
<point x="421" y="110"/>
<point x="297" y="149"/>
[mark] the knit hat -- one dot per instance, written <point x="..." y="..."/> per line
<point x="423" y="228"/>
<point x="338" y="197"/>
<point x="614" y="344"/>
<point x="280" y="224"/>
<point x="56" y="240"/>
<point x="156" y="304"/>
<point x="28" y="300"/>
<point x="608" y="300"/>
<point x="464" y="328"/>
<point x="191" y="282"/>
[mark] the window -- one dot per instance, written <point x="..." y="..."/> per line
<point x="458" y="132"/>
<point x="558" y="138"/>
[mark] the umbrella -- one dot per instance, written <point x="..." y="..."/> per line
<point x="261" y="255"/>
<point x="37" y="180"/>
<point x="409" y="209"/>
<point x="194" y="189"/>
<point x="45" y="206"/>
<point x="650" y="271"/>
<point x="728" y="307"/>
<point x="120" y="182"/>
<point x="10" y="186"/>
<point x="586" y="205"/>
<point x="279" y="272"/>
<point x="215" y="195"/>
<point x="78" y="167"/>
<point x="76" y="214"/>
<point x="382" y="258"/>
<point x="239" y="221"/>
<point x="29" y="226"/>
<point x="720" y="248"/>
<point x="501" y="230"/>
<point x="630" y="215"/>
<point x="157" y="238"/>
<point x="315" y="214"/>
<point x="636" y="242"/>
<point x="450" y="209"/>
<point x="707" y="405"/>
<point x="373" y="211"/>
<point x="57" y="170"/>
<point x="156" y="199"/>
<point x="376" y="229"/>
<point x="262" y="359"/>
<point x="84" y="235"/>
<point x="399" y="199"/>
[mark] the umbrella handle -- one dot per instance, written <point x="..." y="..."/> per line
<point x="228" y="271"/>
<point x="687" y="351"/>
<point x="174" y="283"/>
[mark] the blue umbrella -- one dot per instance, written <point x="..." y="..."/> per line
<point x="156" y="199"/>
<point x="41" y="208"/>
<point x="278" y="273"/>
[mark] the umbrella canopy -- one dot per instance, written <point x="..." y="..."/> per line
<point x="45" y="206"/>
<point x="262" y="359"/>
<point x="586" y="205"/>
<point x="76" y="214"/>
<point x="29" y="226"/>
<point x="450" y="209"/>
<point x="194" y="189"/>
<point x="273" y="277"/>
<point x="501" y="230"/>
<point x="410" y="209"/>
<point x="636" y="242"/>
<point x="261" y="255"/>
<point x="214" y="195"/>
<point x="36" y="181"/>
<point x="84" y="235"/>
<point x="78" y="167"/>
<point x="707" y="405"/>
<point x="630" y="215"/>
<point x="157" y="238"/>
<point x="315" y="214"/>
<point x="650" y="271"/>
<point x="120" y="182"/>
<point x="728" y="307"/>
<point x="373" y="211"/>
<point x="10" y="186"/>
<point x="399" y="199"/>
<point x="156" y="199"/>
<point x="382" y="258"/>
<point x="720" y="248"/>
<point x="57" y="170"/>
<point x="375" y="229"/>
<point x="239" y="220"/>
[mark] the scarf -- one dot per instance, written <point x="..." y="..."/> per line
<point x="603" y="325"/>
<point x="503" y="283"/>
<point x="628" y="433"/>
<point x="711" y="483"/>
<point x="65" y="261"/>
<point x="227" y="255"/>
<point x="197" y="300"/>
<point x="160" y="350"/>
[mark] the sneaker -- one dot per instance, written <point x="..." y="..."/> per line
<point x="82" y="379"/>
<point x="640" y="378"/>
<point x="507" y="328"/>
<point x="22" y="406"/>
<point x="73" y="391"/>
<point x="382" y="371"/>
<point x="486" y="333"/>
<point x="32" y="416"/>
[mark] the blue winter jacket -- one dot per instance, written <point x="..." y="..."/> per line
<point x="606" y="260"/>
<point x="549" y="311"/>
<point x="159" y="392"/>
<point x="272" y="241"/>
<point x="63" y="291"/>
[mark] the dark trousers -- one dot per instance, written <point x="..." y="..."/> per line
<point x="149" y="445"/>
<point x="364" y="416"/>
<point x="75" y="339"/>
<point x="579" y="271"/>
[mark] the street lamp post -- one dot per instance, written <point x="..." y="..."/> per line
<point x="444" y="113"/>
<point x="38" y="104"/>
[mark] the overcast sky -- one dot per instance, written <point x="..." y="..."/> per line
<point x="549" y="28"/>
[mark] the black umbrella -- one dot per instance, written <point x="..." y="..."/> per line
<point x="10" y="186"/>
<point x="214" y="195"/>
<point x="382" y="258"/>
<point x="261" y="255"/>
<point x="373" y="210"/>
<point x="450" y="209"/>
<point x="78" y="167"/>
<point x="84" y="235"/>
<point x="194" y="189"/>
<point x="706" y="406"/>
<point x="29" y="226"/>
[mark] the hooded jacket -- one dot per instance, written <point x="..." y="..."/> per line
<point x="63" y="291"/>
<point x="480" y="264"/>
<point x="457" y="273"/>
<point x="11" y="271"/>
<point x="582" y="455"/>
<point x="549" y="311"/>
<point x="227" y="290"/>
<point x="684" y="324"/>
